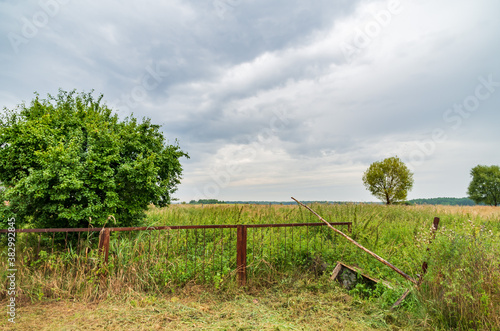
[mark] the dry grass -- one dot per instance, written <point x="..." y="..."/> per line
<point x="300" y="307"/>
<point x="486" y="212"/>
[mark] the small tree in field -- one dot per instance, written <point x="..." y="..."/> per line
<point x="485" y="185"/>
<point x="68" y="162"/>
<point x="388" y="180"/>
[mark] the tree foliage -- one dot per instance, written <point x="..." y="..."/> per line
<point x="388" y="180"/>
<point x="67" y="161"/>
<point x="485" y="185"/>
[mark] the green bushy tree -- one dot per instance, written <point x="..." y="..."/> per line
<point x="485" y="185"/>
<point x="67" y="161"/>
<point x="388" y="180"/>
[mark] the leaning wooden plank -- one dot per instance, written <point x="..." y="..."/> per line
<point x="387" y="263"/>
<point x="400" y="300"/>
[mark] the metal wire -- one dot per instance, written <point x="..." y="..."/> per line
<point x="191" y="247"/>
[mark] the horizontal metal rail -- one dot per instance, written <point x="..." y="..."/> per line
<point x="173" y="227"/>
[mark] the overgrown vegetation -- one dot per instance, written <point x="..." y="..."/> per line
<point x="459" y="291"/>
<point x="68" y="161"/>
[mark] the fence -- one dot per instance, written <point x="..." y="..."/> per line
<point x="212" y="248"/>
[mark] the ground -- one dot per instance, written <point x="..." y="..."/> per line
<point x="197" y="309"/>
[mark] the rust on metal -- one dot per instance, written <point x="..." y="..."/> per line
<point x="241" y="238"/>
<point x="347" y="276"/>
<point x="294" y="224"/>
<point x="241" y="254"/>
<point x="104" y="243"/>
<point x="173" y="227"/>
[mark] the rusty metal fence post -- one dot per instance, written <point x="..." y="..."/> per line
<point x="104" y="243"/>
<point x="241" y="254"/>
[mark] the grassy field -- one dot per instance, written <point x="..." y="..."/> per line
<point x="194" y="287"/>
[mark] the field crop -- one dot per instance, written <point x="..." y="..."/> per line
<point x="460" y="289"/>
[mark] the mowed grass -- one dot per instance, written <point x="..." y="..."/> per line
<point x="305" y="305"/>
<point x="460" y="290"/>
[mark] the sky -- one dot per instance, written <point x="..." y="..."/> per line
<point x="273" y="99"/>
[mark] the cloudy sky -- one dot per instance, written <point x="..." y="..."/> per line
<point x="273" y="99"/>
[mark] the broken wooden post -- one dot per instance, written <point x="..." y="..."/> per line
<point x="387" y="263"/>
<point x="241" y="254"/>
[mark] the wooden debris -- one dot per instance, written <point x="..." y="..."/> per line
<point x="387" y="263"/>
<point x="349" y="276"/>
<point x="400" y="300"/>
<point x="340" y="266"/>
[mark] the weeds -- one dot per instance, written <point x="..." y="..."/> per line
<point x="460" y="290"/>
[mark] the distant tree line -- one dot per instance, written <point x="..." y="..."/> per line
<point x="429" y="201"/>
<point x="205" y="202"/>
<point x="444" y="201"/>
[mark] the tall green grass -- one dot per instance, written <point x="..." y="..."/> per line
<point x="460" y="289"/>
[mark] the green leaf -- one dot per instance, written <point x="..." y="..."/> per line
<point x="67" y="158"/>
